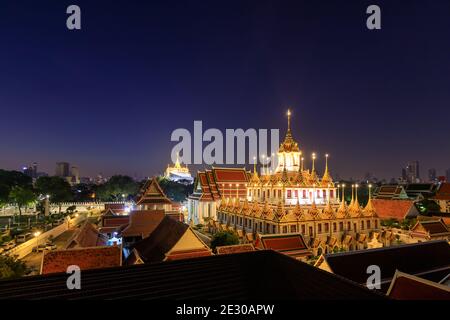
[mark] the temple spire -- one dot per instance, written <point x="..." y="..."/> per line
<point x="289" y="120"/>
<point x="313" y="162"/>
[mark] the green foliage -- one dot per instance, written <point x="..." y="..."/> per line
<point x="176" y="191"/>
<point x="407" y="224"/>
<point x="224" y="238"/>
<point x="11" y="268"/>
<point x="426" y="206"/>
<point x="71" y="209"/>
<point x="22" y="197"/>
<point x="390" y="223"/>
<point x="117" y="186"/>
<point x="10" y="179"/>
<point x="338" y="249"/>
<point x="57" y="188"/>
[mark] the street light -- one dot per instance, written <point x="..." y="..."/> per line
<point x="36" y="235"/>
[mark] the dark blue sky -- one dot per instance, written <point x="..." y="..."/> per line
<point x="107" y="98"/>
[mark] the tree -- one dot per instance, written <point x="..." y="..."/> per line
<point x="22" y="197"/>
<point x="117" y="187"/>
<point x="12" y="268"/>
<point x="57" y="188"/>
<point x="174" y="190"/>
<point x="224" y="238"/>
<point x="10" y="179"/>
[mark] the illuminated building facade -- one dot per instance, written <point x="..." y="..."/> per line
<point x="294" y="199"/>
<point x="178" y="173"/>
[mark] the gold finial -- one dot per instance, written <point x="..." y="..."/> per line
<point x="289" y="119"/>
<point x="313" y="161"/>
<point x="301" y="163"/>
<point x="254" y="164"/>
<point x="343" y="192"/>
<point x="326" y="163"/>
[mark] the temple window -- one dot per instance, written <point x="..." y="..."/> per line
<point x="354" y="227"/>
<point x="334" y="227"/>
<point x="331" y="193"/>
<point x="318" y="193"/>
<point x="362" y="225"/>
<point x="310" y="229"/>
<point x="368" y="224"/>
<point x="289" y="194"/>
<point x="279" y="193"/>
<point x="319" y="228"/>
<point x="327" y="227"/>
<point x="273" y="229"/>
<point x="303" y="229"/>
<point x="349" y="226"/>
<point x="293" y="228"/>
<point x="285" y="229"/>
<point x="341" y="226"/>
<point x="304" y="194"/>
<point x="296" y="193"/>
<point x="376" y="224"/>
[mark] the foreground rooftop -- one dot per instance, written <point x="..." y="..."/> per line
<point x="252" y="275"/>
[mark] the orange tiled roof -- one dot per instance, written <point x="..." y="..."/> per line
<point x="407" y="287"/>
<point x="235" y="248"/>
<point x="85" y="258"/>
<point x="86" y="236"/>
<point x="143" y="222"/>
<point x="153" y="194"/>
<point x="187" y="254"/>
<point x="397" y="209"/>
<point x="443" y="193"/>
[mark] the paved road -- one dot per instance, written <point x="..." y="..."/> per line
<point x="34" y="259"/>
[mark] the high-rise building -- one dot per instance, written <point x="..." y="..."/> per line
<point x="75" y="173"/>
<point x="412" y="172"/>
<point x="432" y="175"/>
<point x="31" y="171"/>
<point x="62" y="169"/>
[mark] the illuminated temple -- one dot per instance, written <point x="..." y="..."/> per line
<point x="178" y="173"/>
<point x="291" y="199"/>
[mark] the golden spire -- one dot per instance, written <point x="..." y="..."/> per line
<point x="177" y="163"/>
<point x="369" y="209"/>
<point x="356" y="196"/>
<point x="289" y="144"/>
<point x="326" y="179"/>
<point x="313" y="161"/>
<point x="301" y="163"/>
<point x="289" y="120"/>
<point x="352" y="201"/>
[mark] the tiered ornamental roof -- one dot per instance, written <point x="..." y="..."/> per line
<point x="213" y="184"/>
<point x="430" y="228"/>
<point x="152" y="194"/>
<point x="292" y="213"/>
<point x="289" y="244"/>
<point x="168" y="241"/>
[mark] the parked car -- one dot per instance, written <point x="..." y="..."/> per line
<point x="8" y="245"/>
<point x="24" y="237"/>
<point x="51" y="247"/>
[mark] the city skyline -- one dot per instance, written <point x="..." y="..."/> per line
<point x="111" y="109"/>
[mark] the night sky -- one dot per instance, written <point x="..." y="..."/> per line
<point x="107" y="98"/>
